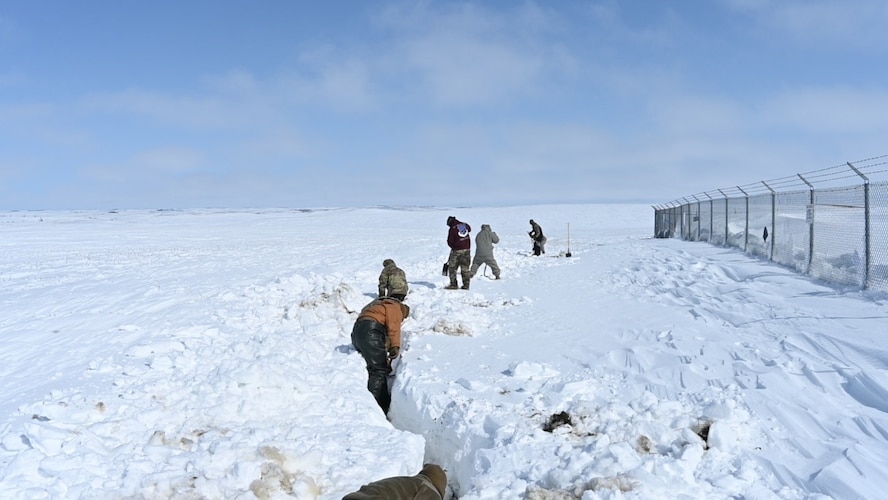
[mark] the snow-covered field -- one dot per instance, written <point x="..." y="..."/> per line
<point x="206" y="354"/>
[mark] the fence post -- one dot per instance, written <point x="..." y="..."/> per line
<point x="711" y="216"/>
<point x="658" y="215"/>
<point x="690" y="220"/>
<point x="866" y="225"/>
<point x="698" y="216"/>
<point x="773" y="219"/>
<point x="746" y="230"/>
<point x="809" y="214"/>
<point x="673" y="217"/>
<point x="687" y="230"/>
<point x="726" y="215"/>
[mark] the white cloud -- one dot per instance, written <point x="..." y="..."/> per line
<point x="462" y="71"/>
<point x="330" y="77"/>
<point x="202" y="111"/>
<point x="467" y="55"/>
<point x="16" y="114"/>
<point x="174" y="160"/>
<point x="156" y="166"/>
<point x="828" y="24"/>
<point x="833" y="110"/>
<point x="283" y="143"/>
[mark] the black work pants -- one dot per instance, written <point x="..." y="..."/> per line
<point x="369" y="338"/>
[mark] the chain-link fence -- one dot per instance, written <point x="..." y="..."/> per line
<point x="838" y="233"/>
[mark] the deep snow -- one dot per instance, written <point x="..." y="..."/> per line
<point x="206" y="354"/>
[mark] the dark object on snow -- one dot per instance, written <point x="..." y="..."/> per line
<point x="445" y="269"/>
<point x="765" y="234"/>
<point x="702" y="430"/>
<point x="556" y="421"/>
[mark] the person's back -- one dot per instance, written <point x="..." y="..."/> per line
<point x="460" y="243"/>
<point x="458" y="234"/>
<point x="377" y="336"/>
<point x="429" y="484"/>
<point x="392" y="281"/>
<point x="484" y="242"/>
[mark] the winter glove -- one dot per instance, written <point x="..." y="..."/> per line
<point x="393" y="352"/>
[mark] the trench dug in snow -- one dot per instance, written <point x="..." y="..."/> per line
<point x="452" y="439"/>
<point x="460" y="434"/>
<point x="472" y="436"/>
<point x="484" y="432"/>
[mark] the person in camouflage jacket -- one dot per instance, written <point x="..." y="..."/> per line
<point x="429" y="484"/>
<point x="392" y="281"/>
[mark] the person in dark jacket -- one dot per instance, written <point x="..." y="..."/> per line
<point x="377" y="336"/>
<point x="429" y="484"/>
<point x="460" y="244"/>
<point x="392" y="281"/>
<point x="484" y="242"/>
<point x="539" y="240"/>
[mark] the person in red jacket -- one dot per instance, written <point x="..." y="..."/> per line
<point x="460" y="244"/>
<point x="377" y="336"/>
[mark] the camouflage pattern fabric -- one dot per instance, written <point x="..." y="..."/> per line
<point x="462" y="260"/>
<point x="392" y="280"/>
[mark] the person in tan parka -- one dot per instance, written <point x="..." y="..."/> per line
<point x="377" y="336"/>
<point x="429" y="484"/>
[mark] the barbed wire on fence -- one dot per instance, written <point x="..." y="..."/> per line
<point x="820" y="178"/>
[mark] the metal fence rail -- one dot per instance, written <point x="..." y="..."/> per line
<point x="831" y="224"/>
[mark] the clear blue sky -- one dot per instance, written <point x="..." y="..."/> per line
<point x="278" y="103"/>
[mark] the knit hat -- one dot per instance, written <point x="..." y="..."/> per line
<point x="388" y="262"/>
<point x="437" y="476"/>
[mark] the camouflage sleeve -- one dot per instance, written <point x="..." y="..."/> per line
<point x="383" y="282"/>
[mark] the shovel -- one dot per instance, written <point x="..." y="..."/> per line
<point x="568" y="254"/>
